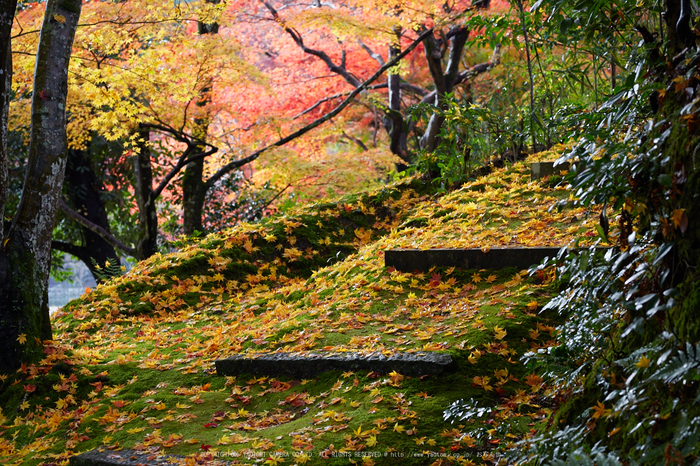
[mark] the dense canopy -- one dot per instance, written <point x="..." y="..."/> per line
<point x="252" y="162"/>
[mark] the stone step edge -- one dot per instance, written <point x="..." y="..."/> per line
<point x="309" y="365"/>
<point x="131" y="458"/>
<point x="408" y="260"/>
<point x="540" y="170"/>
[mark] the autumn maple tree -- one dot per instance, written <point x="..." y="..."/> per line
<point x="592" y="357"/>
<point x="192" y="110"/>
<point x="166" y="102"/>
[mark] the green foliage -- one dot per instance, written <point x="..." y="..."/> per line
<point x="628" y="355"/>
<point x="110" y="269"/>
<point x="465" y="410"/>
<point x="492" y="115"/>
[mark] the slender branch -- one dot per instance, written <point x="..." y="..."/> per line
<point x="274" y="198"/>
<point x="340" y="70"/>
<point x="472" y="72"/>
<point x="104" y="234"/>
<point x="317" y="104"/>
<point x="110" y="21"/>
<point x="412" y="88"/>
<point x="187" y="155"/>
<point x="375" y="55"/>
<point x="404" y="86"/>
<point x="184" y="159"/>
<point x="179" y="136"/>
<point x="361" y="144"/>
<point x="238" y="163"/>
<point x="78" y="251"/>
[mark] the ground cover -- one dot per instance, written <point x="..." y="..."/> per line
<point x="131" y="365"/>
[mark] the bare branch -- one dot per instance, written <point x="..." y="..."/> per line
<point x="357" y="141"/>
<point x="184" y="159"/>
<point x="412" y="88"/>
<point x="104" y="234"/>
<point x="187" y="156"/>
<point x="325" y="99"/>
<point x="404" y="86"/>
<point x="375" y="55"/>
<point x="238" y="163"/>
<point x="78" y="251"/>
<point x="470" y="73"/>
<point x="274" y="198"/>
<point x="339" y="70"/>
<point x="109" y="21"/>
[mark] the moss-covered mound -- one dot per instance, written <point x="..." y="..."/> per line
<point x="131" y="365"/>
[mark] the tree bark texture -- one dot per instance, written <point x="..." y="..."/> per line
<point x="444" y="81"/>
<point x="194" y="187"/>
<point x="26" y="257"/>
<point x="672" y="15"/>
<point x="7" y="14"/>
<point x="145" y="199"/>
<point x="193" y="195"/>
<point x="393" y="121"/>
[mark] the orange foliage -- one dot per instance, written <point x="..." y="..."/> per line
<point x="143" y="62"/>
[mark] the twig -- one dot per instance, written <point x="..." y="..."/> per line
<point x="104" y="234"/>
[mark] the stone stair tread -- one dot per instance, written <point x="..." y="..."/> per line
<point x="308" y="365"/>
<point x="125" y="458"/>
<point x="408" y="260"/>
<point x="540" y="170"/>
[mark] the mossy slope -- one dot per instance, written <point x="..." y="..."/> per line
<point x="137" y="353"/>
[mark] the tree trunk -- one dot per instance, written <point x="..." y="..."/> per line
<point x="393" y="121"/>
<point x="672" y="13"/>
<point x="444" y="82"/>
<point x="194" y="188"/>
<point x="26" y="257"/>
<point x="193" y="194"/>
<point x="145" y="199"/>
<point x="7" y="14"/>
<point x="84" y="188"/>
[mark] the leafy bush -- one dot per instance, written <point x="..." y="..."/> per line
<point x="628" y="356"/>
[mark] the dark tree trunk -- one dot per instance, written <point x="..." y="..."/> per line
<point x="444" y="82"/>
<point x="84" y="191"/>
<point x="145" y="199"/>
<point x="26" y="256"/>
<point x="672" y="14"/>
<point x="193" y="194"/>
<point x="194" y="187"/>
<point x="677" y="15"/>
<point x="393" y="121"/>
<point x="7" y="14"/>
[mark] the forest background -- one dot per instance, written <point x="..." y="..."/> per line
<point x="186" y="118"/>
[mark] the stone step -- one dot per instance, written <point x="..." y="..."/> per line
<point x="409" y="260"/>
<point x="124" y="458"/>
<point x="543" y="169"/>
<point x="309" y="365"/>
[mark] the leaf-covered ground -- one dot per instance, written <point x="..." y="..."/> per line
<point x="131" y="365"/>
